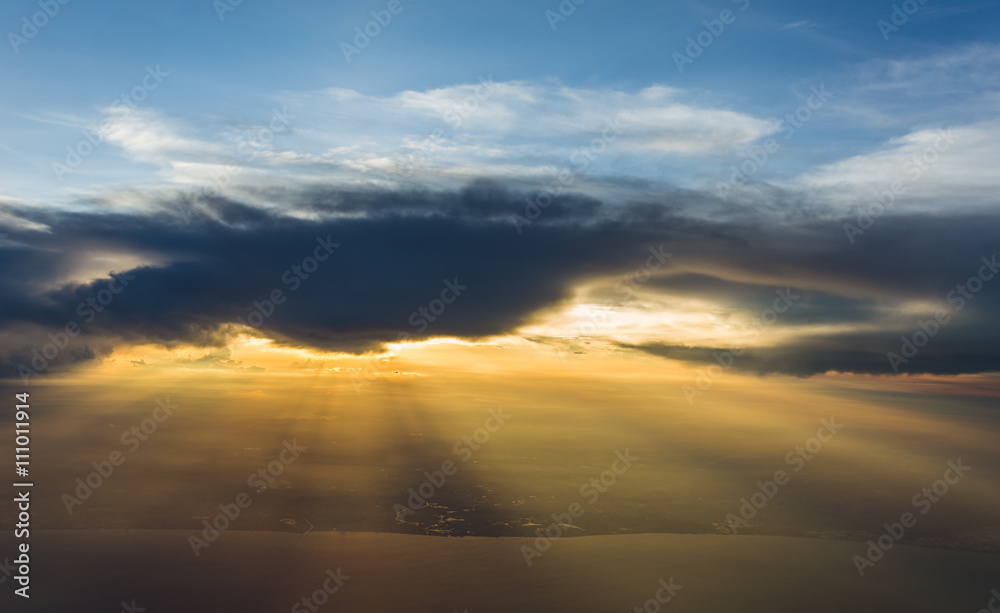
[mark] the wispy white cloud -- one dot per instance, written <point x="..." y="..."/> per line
<point x="958" y="84"/>
<point x="148" y="136"/>
<point x="805" y="23"/>
<point x="936" y="170"/>
<point x="468" y="129"/>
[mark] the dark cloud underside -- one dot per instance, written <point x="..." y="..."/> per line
<point x="215" y="257"/>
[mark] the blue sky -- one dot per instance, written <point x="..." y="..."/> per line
<point x="228" y="74"/>
<point x="779" y="129"/>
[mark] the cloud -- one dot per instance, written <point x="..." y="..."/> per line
<point x="516" y="114"/>
<point x="934" y="170"/>
<point x="861" y="355"/>
<point x="511" y="130"/>
<point x="797" y="24"/>
<point x="812" y="308"/>
<point x="147" y="136"/>
<point x="958" y="84"/>
<point x="221" y="256"/>
<point x="399" y="249"/>
<point x="951" y="349"/>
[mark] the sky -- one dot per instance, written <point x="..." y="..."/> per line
<point x="847" y="150"/>
<point x="557" y="80"/>
<point x="691" y="231"/>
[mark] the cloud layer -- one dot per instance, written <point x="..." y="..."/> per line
<point x="196" y="266"/>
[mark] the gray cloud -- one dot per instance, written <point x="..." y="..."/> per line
<point x="215" y="257"/>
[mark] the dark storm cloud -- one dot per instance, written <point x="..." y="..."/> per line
<point x="215" y="257"/>
<point x="811" y="307"/>
<point x="866" y="354"/>
<point x="222" y="256"/>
